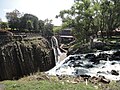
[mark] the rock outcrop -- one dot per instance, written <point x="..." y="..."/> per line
<point x="20" y="58"/>
<point x="5" y="36"/>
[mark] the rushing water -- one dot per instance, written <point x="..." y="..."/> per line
<point x="86" y="64"/>
<point x="55" y="48"/>
<point x="76" y="65"/>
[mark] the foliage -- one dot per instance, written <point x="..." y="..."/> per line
<point x="13" y="19"/>
<point x="29" y="22"/>
<point x="110" y="15"/>
<point x="3" y="25"/>
<point x="45" y="85"/>
<point x="56" y="29"/>
<point x="41" y="25"/>
<point x="40" y="81"/>
<point x="48" y="28"/>
<point x="29" y="25"/>
<point x="87" y="17"/>
<point x="0" y="20"/>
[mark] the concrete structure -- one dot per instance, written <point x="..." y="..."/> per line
<point x="66" y="36"/>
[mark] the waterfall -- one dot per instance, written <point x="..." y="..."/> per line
<point x="55" y="47"/>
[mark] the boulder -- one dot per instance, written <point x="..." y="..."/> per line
<point x="116" y="56"/>
<point x="114" y="72"/>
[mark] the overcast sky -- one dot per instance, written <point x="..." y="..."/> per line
<point x="41" y="8"/>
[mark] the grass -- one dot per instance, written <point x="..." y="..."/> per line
<point x="112" y="86"/>
<point x="45" y="85"/>
<point x="40" y="81"/>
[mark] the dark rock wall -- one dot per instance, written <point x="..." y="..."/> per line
<point x="21" y="58"/>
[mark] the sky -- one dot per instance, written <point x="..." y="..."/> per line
<point x="43" y="9"/>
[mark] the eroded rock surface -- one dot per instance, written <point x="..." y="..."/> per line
<point x="19" y="58"/>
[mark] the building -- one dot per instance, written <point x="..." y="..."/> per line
<point x="66" y="36"/>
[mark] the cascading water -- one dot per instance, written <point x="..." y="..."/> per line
<point x="105" y="63"/>
<point x="93" y="64"/>
<point x="55" y="47"/>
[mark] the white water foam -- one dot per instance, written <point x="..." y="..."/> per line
<point x="104" y="68"/>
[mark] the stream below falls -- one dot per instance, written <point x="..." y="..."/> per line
<point x="101" y="63"/>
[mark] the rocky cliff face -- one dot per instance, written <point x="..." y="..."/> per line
<point x="19" y="58"/>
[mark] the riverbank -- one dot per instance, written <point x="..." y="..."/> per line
<point x="41" y="81"/>
<point x="97" y="45"/>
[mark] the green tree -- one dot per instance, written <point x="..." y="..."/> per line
<point x="0" y="20"/>
<point x="29" y="25"/>
<point x="29" y="17"/>
<point x="13" y="19"/>
<point x="87" y="17"/>
<point x="4" y="25"/>
<point x="41" y="26"/>
<point x="57" y="29"/>
<point x="79" y="17"/>
<point x="108" y="17"/>
<point x="48" y="29"/>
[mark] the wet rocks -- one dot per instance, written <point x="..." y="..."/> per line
<point x="101" y="79"/>
<point x="92" y="58"/>
<point x="116" y="56"/>
<point x="89" y="66"/>
<point x="94" y="80"/>
<point x="93" y="64"/>
<point x="104" y="80"/>
<point x="84" y="78"/>
<point x="114" y="72"/>
<point x="103" y="56"/>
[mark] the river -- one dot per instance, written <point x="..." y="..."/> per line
<point x="101" y="63"/>
<point x="76" y="65"/>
